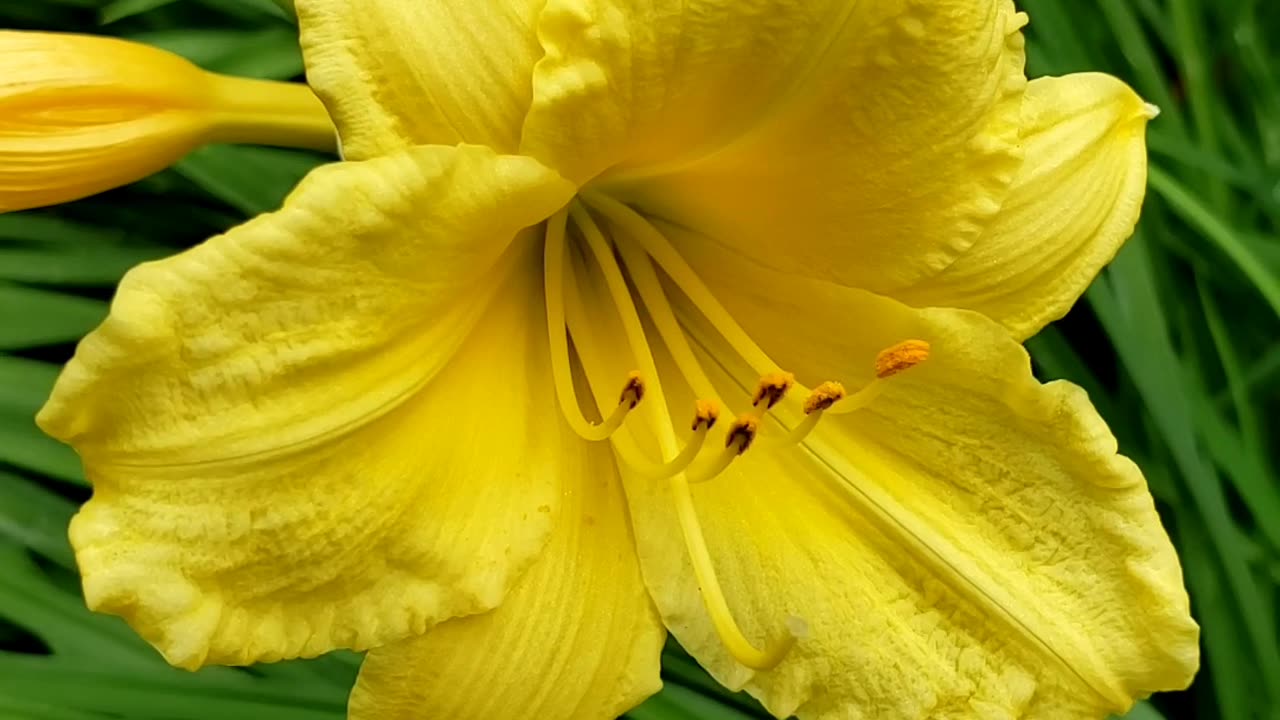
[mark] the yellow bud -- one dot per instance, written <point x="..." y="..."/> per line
<point x="80" y="114"/>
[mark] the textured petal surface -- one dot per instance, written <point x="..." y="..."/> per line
<point x="1074" y="202"/>
<point x="396" y="73"/>
<point x="284" y="458"/>
<point x="981" y="547"/>
<point x="967" y="545"/>
<point x="577" y="637"/>
<point x="875" y="139"/>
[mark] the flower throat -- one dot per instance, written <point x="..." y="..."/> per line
<point x="635" y="248"/>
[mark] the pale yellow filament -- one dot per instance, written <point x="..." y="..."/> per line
<point x="676" y="465"/>
<point x="664" y="318"/>
<point x="632" y="328"/>
<point x="713" y="595"/>
<point x="660" y="249"/>
<point x="627" y="450"/>
<point x="740" y="437"/>
<point x="891" y="361"/>
<point x="562" y="374"/>
<point x="822" y="399"/>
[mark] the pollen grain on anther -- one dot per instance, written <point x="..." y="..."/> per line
<point x="742" y="433"/>
<point x="824" y="396"/>
<point x="772" y="388"/>
<point x="705" y="413"/>
<point x="903" y="356"/>
<point x="633" y="389"/>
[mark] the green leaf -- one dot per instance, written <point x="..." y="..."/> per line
<point x="31" y="600"/>
<point x="271" y="54"/>
<point x="33" y="318"/>
<point x="39" y="710"/>
<point x="40" y="227"/>
<point x="251" y="179"/>
<point x="1143" y="711"/>
<point x="103" y="687"/>
<point x="121" y="9"/>
<point x="36" y="518"/>
<point x="24" y="385"/>
<point x="252" y="9"/>
<point x="1130" y="308"/>
<point x="677" y="702"/>
<point x="1216" y="229"/>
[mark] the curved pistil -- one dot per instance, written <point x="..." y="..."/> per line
<point x="713" y="598"/>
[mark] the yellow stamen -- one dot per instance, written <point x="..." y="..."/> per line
<point x="815" y="406"/>
<point x="705" y="413"/>
<point x="858" y="400"/>
<point x="561" y="372"/>
<point x="632" y="329"/>
<point x="903" y="356"/>
<point x="633" y="392"/>
<point x="772" y="388"/>
<point x="891" y="361"/>
<point x="655" y="299"/>
<point x="704" y="418"/>
<point x="738" y="439"/>
<point x="742" y="433"/>
<point x="684" y="276"/>
<point x="823" y="397"/>
<point x="713" y="596"/>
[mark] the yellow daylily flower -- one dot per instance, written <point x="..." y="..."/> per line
<point x="80" y="114"/>
<point x="699" y="316"/>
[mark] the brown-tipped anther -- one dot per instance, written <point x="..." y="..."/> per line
<point x="903" y="356"/>
<point x="823" y="397"/>
<point x="705" y="414"/>
<point x="772" y="388"/>
<point x="633" y="391"/>
<point x="742" y="432"/>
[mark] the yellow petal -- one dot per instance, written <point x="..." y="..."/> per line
<point x="577" y="637"/>
<point x="969" y="544"/>
<point x="287" y="456"/>
<point x="873" y="139"/>
<point x="1074" y="202"/>
<point x="396" y="73"/>
<point x="80" y="114"/>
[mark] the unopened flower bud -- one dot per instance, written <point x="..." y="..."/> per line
<point x="80" y="114"/>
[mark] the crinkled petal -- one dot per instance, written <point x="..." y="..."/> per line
<point x="1074" y="202"/>
<point x="287" y="456"/>
<point x="862" y="142"/>
<point x="577" y="637"/>
<point x="969" y="544"/>
<point x="396" y="73"/>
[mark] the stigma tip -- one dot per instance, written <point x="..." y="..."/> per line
<point x="903" y="356"/>
<point x="798" y="628"/>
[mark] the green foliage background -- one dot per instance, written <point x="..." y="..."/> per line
<point x="1177" y="344"/>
